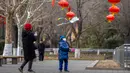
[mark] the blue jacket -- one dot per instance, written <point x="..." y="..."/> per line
<point x="63" y="49"/>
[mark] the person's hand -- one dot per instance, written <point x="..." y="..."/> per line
<point x="70" y="50"/>
<point x="35" y="34"/>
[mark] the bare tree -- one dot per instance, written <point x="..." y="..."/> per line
<point x="122" y="24"/>
<point x="22" y="11"/>
<point x="8" y="9"/>
<point x="87" y="11"/>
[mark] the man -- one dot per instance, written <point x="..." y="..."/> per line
<point x="28" y="39"/>
<point x="63" y="54"/>
<point x="41" y="48"/>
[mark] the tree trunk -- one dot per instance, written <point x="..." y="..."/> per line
<point x="19" y="45"/>
<point x="77" y="43"/>
<point x="14" y="30"/>
<point x="8" y="36"/>
<point x="80" y="23"/>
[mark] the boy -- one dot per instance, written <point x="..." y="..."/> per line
<point x="63" y="54"/>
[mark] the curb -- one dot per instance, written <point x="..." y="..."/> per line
<point x="93" y="64"/>
<point x="92" y="68"/>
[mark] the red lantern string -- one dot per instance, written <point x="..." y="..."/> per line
<point x="113" y="10"/>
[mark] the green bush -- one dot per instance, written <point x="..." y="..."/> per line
<point x="1" y="47"/>
<point x="113" y="42"/>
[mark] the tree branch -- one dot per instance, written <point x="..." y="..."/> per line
<point x="14" y="2"/>
<point x="17" y="7"/>
<point x="18" y="19"/>
<point x="25" y="13"/>
<point x="85" y="16"/>
<point x="2" y="15"/>
<point x="36" y="19"/>
<point x="37" y="8"/>
<point x="1" y="9"/>
<point x="90" y="27"/>
<point x="27" y="17"/>
<point x="3" y="5"/>
<point x="83" y="2"/>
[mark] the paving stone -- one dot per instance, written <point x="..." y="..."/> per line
<point x="51" y="66"/>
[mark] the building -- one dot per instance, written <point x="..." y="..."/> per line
<point x="2" y="32"/>
<point x="2" y="28"/>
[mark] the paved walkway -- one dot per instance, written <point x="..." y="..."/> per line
<point x="51" y="66"/>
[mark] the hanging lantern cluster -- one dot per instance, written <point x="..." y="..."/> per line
<point x="65" y="4"/>
<point x="113" y="10"/>
<point x="70" y="15"/>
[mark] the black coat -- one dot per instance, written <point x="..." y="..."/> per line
<point x="41" y="47"/>
<point x="28" y="46"/>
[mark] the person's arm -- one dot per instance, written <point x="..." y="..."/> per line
<point x="24" y="34"/>
<point x="64" y="47"/>
<point x="33" y="37"/>
<point x="59" y="48"/>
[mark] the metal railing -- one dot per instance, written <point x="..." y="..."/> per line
<point x="122" y="55"/>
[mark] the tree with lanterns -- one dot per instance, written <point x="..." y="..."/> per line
<point x="76" y="30"/>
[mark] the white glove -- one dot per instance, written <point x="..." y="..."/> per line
<point x="35" y="34"/>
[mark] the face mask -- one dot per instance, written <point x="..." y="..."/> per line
<point x="64" y="39"/>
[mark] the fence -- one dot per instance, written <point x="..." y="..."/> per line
<point x="86" y="50"/>
<point x="85" y="54"/>
<point x="122" y="55"/>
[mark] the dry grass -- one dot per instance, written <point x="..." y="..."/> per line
<point x="71" y="57"/>
<point x="107" y="64"/>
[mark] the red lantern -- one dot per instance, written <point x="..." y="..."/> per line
<point x="110" y="17"/>
<point x="114" y="9"/>
<point x="70" y="14"/>
<point x="63" y="3"/>
<point x="114" y="1"/>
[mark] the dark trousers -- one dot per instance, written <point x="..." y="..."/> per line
<point x="41" y="56"/>
<point x="30" y="62"/>
<point x="65" y="61"/>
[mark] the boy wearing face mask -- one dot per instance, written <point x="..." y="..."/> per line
<point x="63" y="54"/>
